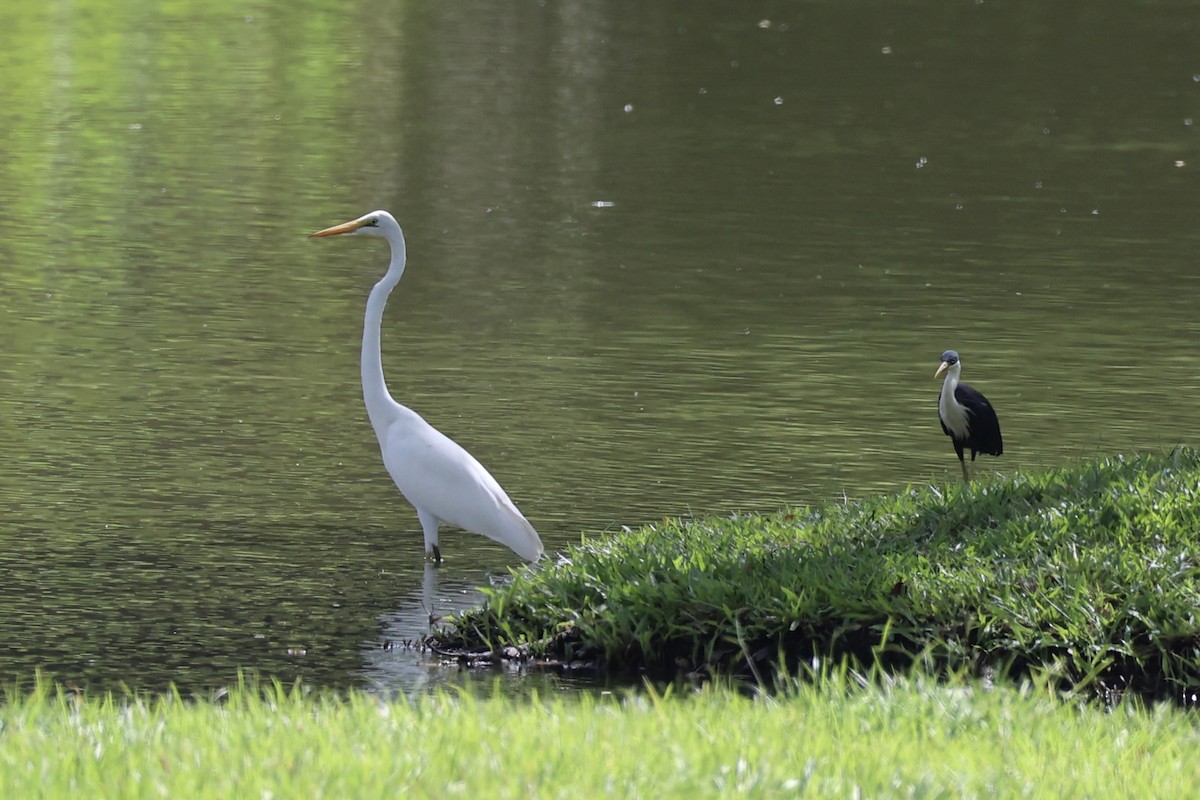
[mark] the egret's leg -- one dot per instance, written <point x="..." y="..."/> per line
<point x="429" y="524"/>
<point x="429" y="592"/>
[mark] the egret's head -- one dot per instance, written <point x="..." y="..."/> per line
<point x="949" y="364"/>
<point x="377" y="223"/>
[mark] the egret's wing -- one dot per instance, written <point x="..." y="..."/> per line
<point x="439" y="477"/>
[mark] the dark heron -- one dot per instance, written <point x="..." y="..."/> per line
<point x="966" y="415"/>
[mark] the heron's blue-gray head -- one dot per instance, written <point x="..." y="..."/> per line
<point x="950" y="363"/>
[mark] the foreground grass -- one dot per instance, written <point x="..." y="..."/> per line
<point x="832" y="739"/>
<point x="1091" y="572"/>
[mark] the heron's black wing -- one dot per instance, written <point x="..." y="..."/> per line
<point x="985" y="427"/>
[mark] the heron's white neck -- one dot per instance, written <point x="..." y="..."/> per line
<point x="953" y="413"/>
<point x="375" y="393"/>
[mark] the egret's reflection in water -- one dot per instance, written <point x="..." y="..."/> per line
<point x="397" y="664"/>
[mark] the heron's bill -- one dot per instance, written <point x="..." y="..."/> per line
<point x="345" y="227"/>
<point x="945" y="364"/>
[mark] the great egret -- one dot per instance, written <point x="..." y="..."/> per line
<point x="443" y="481"/>
<point x="966" y="415"/>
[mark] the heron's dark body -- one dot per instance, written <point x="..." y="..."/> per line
<point x="983" y="428"/>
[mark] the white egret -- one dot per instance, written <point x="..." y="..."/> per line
<point x="444" y="483"/>
<point x="966" y="415"/>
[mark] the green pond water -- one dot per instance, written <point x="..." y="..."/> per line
<point x="664" y="259"/>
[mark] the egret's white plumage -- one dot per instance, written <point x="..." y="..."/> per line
<point x="444" y="483"/>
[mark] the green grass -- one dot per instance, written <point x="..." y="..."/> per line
<point x="834" y="738"/>
<point x="1091" y="573"/>
<point x="1084" y="577"/>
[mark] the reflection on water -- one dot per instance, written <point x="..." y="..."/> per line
<point x="663" y="260"/>
<point x="393" y="665"/>
<point x="397" y="659"/>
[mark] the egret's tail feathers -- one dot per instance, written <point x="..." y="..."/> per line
<point x="521" y="538"/>
<point x="510" y="528"/>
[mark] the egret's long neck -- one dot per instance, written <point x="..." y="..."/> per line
<point x="375" y="393"/>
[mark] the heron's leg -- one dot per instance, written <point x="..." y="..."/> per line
<point x="429" y="524"/>
<point x="958" y="450"/>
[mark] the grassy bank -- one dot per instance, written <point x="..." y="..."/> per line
<point x="1091" y="573"/>
<point x="832" y="739"/>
